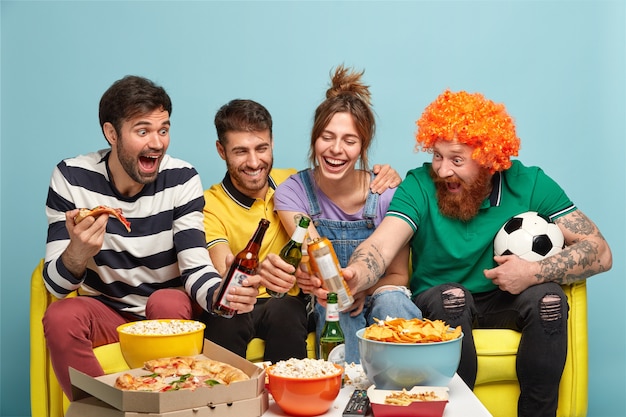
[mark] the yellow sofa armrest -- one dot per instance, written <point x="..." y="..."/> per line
<point x="39" y="369"/>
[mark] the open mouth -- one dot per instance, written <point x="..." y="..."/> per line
<point x="334" y="163"/>
<point x="453" y="187"/>
<point x="254" y="173"/>
<point x="149" y="163"/>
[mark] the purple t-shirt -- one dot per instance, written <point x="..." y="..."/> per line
<point x="291" y="196"/>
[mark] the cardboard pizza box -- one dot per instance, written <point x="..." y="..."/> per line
<point x="93" y="407"/>
<point x="103" y="387"/>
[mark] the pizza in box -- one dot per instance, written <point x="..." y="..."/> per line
<point x="180" y="372"/>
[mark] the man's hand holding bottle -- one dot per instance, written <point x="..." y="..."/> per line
<point x="276" y="274"/>
<point x="241" y="298"/>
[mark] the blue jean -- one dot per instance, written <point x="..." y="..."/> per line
<point x="393" y="303"/>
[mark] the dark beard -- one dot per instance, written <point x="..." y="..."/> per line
<point x="464" y="205"/>
<point x="130" y="165"/>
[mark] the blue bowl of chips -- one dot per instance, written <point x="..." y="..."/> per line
<point x="393" y="366"/>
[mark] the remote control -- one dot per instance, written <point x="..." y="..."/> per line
<point x="358" y="405"/>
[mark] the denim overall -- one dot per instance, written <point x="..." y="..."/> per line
<point x="345" y="237"/>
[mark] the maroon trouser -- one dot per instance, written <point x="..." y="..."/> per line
<point x="75" y="326"/>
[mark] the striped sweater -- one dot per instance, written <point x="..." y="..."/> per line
<point x="165" y="249"/>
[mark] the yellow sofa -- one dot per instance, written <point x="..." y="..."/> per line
<point x="496" y="383"/>
<point x="47" y="398"/>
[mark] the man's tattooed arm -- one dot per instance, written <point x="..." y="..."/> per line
<point x="374" y="262"/>
<point x="586" y="252"/>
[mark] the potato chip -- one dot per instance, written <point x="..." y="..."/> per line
<point x="406" y="398"/>
<point x="399" y="330"/>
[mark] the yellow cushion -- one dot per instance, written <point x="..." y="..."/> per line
<point x="497" y="352"/>
<point x="111" y="358"/>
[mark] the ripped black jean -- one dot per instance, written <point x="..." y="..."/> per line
<point x="539" y="313"/>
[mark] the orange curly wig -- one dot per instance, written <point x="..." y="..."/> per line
<point x="473" y="120"/>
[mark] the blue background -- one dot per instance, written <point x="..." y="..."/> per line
<point x="559" y="66"/>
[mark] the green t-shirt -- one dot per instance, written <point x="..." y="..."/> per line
<point x="449" y="250"/>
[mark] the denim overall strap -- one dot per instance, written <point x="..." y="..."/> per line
<point x="371" y="203"/>
<point x="345" y="235"/>
<point x="306" y="176"/>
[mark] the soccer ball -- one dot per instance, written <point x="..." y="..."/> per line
<point x="530" y="236"/>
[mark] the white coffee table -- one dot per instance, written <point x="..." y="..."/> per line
<point x="462" y="402"/>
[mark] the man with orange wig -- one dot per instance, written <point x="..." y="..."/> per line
<point x="450" y="210"/>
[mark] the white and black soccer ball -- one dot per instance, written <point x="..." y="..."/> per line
<point x="530" y="236"/>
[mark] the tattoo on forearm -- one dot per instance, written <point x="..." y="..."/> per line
<point x="373" y="261"/>
<point x="578" y="224"/>
<point x="581" y="258"/>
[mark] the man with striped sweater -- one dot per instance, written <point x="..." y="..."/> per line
<point x="161" y="268"/>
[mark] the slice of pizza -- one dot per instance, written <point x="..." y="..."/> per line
<point x="153" y="383"/>
<point x="202" y="368"/>
<point x="98" y="210"/>
<point x="220" y="371"/>
<point x="179" y="365"/>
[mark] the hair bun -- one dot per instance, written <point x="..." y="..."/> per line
<point x="347" y="81"/>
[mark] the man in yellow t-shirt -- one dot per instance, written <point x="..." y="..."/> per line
<point x="231" y="217"/>
<point x="232" y="212"/>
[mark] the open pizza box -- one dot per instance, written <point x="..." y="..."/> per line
<point x="103" y="388"/>
<point x="93" y="407"/>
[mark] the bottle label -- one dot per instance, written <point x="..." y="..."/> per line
<point x="336" y="284"/>
<point x="329" y="271"/>
<point x="327" y="266"/>
<point x="298" y="235"/>
<point x="236" y="281"/>
<point x="332" y="312"/>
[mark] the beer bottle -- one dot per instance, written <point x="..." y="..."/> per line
<point x="292" y="251"/>
<point x="324" y="263"/>
<point x="244" y="265"/>
<point x="332" y="339"/>
<point x="304" y="262"/>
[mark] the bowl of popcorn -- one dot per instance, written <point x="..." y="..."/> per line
<point x="144" y="340"/>
<point x="304" y="387"/>
<point x="403" y="353"/>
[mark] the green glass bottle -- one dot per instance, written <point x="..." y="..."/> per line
<point x="292" y="251"/>
<point x="332" y="339"/>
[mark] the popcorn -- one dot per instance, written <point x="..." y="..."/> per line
<point x="304" y="368"/>
<point x="355" y="376"/>
<point x="161" y="328"/>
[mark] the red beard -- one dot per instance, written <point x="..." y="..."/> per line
<point x="465" y="204"/>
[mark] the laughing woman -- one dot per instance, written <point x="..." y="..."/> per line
<point x="335" y="194"/>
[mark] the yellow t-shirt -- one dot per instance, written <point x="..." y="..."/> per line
<point x="231" y="218"/>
